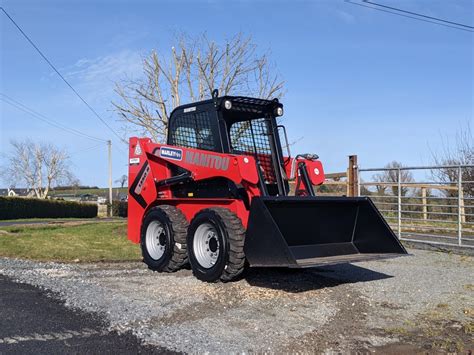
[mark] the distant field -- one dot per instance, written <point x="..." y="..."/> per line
<point x="103" y="192"/>
<point x="71" y="241"/>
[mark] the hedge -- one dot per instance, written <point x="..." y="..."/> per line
<point x="119" y="208"/>
<point x="18" y="207"/>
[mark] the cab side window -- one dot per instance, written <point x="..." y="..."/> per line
<point x="192" y="130"/>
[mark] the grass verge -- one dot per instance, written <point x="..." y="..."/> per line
<point x="104" y="241"/>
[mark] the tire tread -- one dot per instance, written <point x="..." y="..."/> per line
<point x="236" y="235"/>
<point x="179" y="227"/>
<point x="179" y="224"/>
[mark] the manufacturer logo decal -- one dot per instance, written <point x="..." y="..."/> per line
<point x="134" y="161"/>
<point x="207" y="160"/>
<point x="171" y="153"/>
<point x="189" y="109"/>
<point x="138" y="149"/>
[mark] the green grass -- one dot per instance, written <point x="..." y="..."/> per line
<point x="87" y="242"/>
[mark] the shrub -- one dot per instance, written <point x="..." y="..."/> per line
<point x="17" y="207"/>
<point x="119" y="208"/>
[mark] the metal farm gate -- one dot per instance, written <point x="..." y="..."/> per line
<point x="430" y="204"/>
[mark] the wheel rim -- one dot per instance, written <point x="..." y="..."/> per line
<point x="206" y="245"/>
<point x="156" y="240"/>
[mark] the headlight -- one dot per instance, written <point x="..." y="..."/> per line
<point x="279" y="111"/>
<point x="227" y="104"/>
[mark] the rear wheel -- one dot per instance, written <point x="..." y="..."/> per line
<point x="163" y="239"/>
<point x="216" y="245"/>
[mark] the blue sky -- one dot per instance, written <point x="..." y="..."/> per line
<point x="358" y="81"/>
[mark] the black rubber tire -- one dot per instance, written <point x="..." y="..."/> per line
<point x="176" y="225"/>
<point x="231" y="233"/>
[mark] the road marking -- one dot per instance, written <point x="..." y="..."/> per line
<point x="84" y="333"/>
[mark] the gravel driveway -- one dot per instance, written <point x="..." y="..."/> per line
<point x="412" y="303"/>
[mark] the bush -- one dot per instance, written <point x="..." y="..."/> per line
<point x="17" y="207"/>
<point x="119" y="208"/>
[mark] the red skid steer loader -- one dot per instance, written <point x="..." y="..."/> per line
<point x="217" y="195"/>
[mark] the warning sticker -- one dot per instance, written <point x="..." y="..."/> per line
<point x="138" y="150"/>
<point x="134" y="161"/>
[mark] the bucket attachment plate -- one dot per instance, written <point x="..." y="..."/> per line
<point x="314" y="231"/>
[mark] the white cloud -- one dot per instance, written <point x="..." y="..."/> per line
<point x="106" y="67"/>
<point x="96" y="77"/>
<point x="345" y="16"/>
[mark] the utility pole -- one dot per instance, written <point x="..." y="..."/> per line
<point x="109" y="144"/>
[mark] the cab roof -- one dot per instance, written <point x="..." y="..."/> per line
<point x="242" y="108"/>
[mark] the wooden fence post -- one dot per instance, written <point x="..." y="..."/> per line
<point x="462" y="210"/>
<point x="352" y="177"/>
<point x="348" y="182"/>
<point x="423" y="202"/>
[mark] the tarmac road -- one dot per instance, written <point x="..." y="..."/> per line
<point x="32" y="322"/>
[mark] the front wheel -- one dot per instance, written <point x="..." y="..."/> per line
<point x="163" y="239"/>
<point x="216" y="245"/>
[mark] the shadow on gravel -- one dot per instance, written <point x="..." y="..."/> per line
<point x="301" y="280"/>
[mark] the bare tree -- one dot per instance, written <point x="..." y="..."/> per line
<point x="36" y="165"/>
<point x="194" y="68"/>
<point x="391" y="177"/>
<point x="75" y="184"/>
<point x="382" y="178"/>
<point x="460" y="153"/>
<point x="122" y="180"/>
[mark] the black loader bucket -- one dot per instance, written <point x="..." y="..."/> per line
<point x="314" y="231"/>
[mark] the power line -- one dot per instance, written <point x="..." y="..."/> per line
<point x="50" y="121"/>
<point x="418" y="14"/>
<point x="41" y="117"/>
<point x="61" y="76"/>
<point x="46" y="119"/>
<point x="402" y="15"/>
<point x="121" y="150"/>
<point x="85" y="149"/>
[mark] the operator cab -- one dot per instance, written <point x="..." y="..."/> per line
<point x="236" y="125"/>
